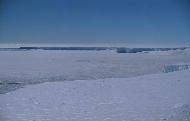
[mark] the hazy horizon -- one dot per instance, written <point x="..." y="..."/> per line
<point x="11" y="45"/>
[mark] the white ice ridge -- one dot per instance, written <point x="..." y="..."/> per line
<point x="156" y="97"/>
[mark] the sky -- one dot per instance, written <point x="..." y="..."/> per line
<point x="95" y="21"/>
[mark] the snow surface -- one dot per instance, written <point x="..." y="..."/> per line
<point x="94" y="85"/>
<point x="18" y="68"/>
<point x="156" y="97"/>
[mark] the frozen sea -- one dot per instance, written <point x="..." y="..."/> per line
<point x="18" y="68"/>
<point x="79" y="85"/>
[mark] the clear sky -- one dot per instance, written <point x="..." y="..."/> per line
<point x="95" y="21"/>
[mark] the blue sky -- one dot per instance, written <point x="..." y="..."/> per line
<point x="95" y="21"/>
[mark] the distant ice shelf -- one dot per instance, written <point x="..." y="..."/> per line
<point x="118" y="49"/>
<point x="136" y="50"/>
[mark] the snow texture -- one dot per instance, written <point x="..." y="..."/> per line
<point x="157" y="97"/>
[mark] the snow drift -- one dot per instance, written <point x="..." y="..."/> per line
<point x="157" y="97"/>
